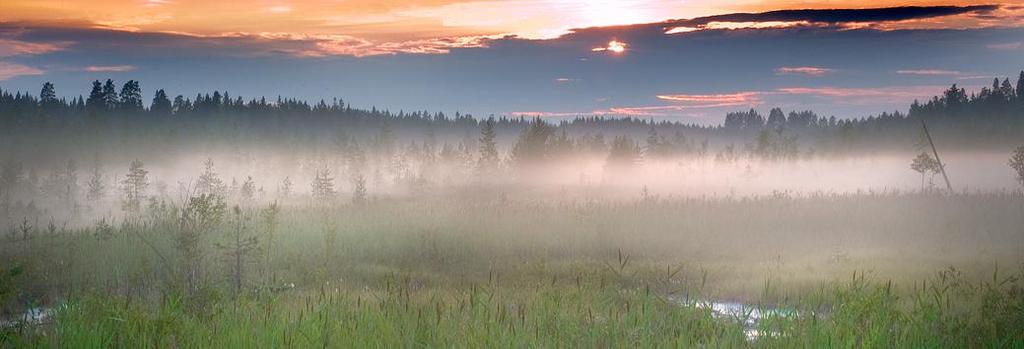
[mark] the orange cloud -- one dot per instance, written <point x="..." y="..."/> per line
<point x="373" y="27"/>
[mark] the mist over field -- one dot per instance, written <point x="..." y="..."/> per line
<point x="781" y="178"/>
<point x="782" y="222"/>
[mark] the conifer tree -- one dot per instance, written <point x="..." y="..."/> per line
<point x="488" y="161"/>
<point x="134" y="186"/>
<point x="109" y="96"/>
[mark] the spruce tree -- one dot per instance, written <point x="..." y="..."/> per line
<point x="109" y="96"/>
<point x="488" y="147"/>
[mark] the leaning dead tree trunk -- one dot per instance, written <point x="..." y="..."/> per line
<point x="942" y="167"/>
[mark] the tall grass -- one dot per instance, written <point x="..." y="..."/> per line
<point x="483" y="269"/>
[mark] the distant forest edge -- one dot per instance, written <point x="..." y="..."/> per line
<point x="992" y="118"/>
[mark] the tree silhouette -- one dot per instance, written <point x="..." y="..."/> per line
<point x="134" y="186"/>
<point x="109" y="96"/>
<point x="48" y="97"/>
<point x="240" y="247"/>
<point x="248" y="189"/>
<point x="95" y="103"/>
<point x="358" y="190"/>
<point x="1020" y="89"/>
<point x="532" y="147"/>
<point x="161" y="105"/>
<point x="95" y="186"/>
<point x="131" y="97"/>
<point x="924" y="164"/>
<point x="209" y="182"/>
<point x="488" y="147"/>
<point x="323" y="183"/>
<point x="776" y="119"/>
<point x="1017" y="163"/>
<point x="623" y="155"/>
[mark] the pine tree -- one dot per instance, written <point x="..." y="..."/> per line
<point x="134" y="186"/>
<point x="161" y="106"/>
<point x="131" y="97"/>
<point x="96" y="189"/>
<point x="323" y="184"/>
<point x="95" y="103"/>
<point x="109" y="96"/>
<point x="239" y="248"/>
<point x="533" y="145"/>
<point x="209" y="182"/>
<point x="285" y="190"/>
<point x="248" y="189"/>
<point x="624" y="153"/>
<point x="69" y="183"/>
<point x="1020" y="88"/>
<point x="199" y="216"/>
<point x="48" y="98"/>
<point x="488" y="161"/>
<point x="359" y="190"/>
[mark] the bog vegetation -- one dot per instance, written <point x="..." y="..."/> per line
<point x="221" y="222"/>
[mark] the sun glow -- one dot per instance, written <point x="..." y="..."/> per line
<point x="614" y="46"/>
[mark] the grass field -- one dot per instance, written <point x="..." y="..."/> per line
<point x="480" y="268"/>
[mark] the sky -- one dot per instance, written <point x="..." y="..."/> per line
<point x="689" y="61"/>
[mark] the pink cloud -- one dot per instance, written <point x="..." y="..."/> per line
<point x="706" y="105"/>
<point x="933" y="72"/>
<point x="890" y="91"/>
<point x="9" y="48"/>
<point x="727" y="25"/>
<point x="759" y="25"/>
<point x="712" y="100"/>
<point x="110" y="68"/>
<point x="324" y="45"/>
<point x="1010" y="46"/>
<point x="809" y="71"/>
<point x="10" y="70"/>
<point x="887" y="95"/>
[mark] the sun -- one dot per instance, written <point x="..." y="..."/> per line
<point x="614" y="46"/>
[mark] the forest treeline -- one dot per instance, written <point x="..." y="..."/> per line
<point x="67" y="155"/>
<point x="993" y="116"/>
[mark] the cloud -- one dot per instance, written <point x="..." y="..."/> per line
<point x="809" y="71"/>
<point x="712" y="100"/>
<point x="689" y="105"/>
<point x="1009" y="46"/>
<point x="863" y="95"/>
<point x="874" y="18"/>
<point x="847" y="15"/>
<point x="614" y="46"/>
<point x="638" y="111"/>
<point x="110" y="68"/>
<point x="10" y="48"/>
<point x="352" y="46"/>
<point x="10" y="70"/>
<point x="929" y="72"/>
